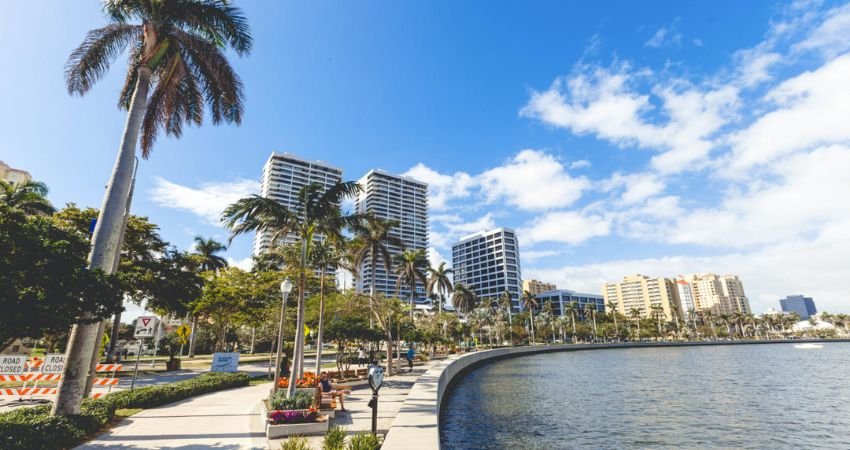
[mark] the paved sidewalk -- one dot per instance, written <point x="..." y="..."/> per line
<point x="358" y="415"/>
<point x="220" y="420"/>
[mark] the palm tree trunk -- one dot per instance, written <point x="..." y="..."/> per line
<point x="321" y="321"/>
<point x="531" y="311"/>
<point x="298" y="353"/>
<point x="372" y="256"/>
<point x="192" y="339"/>
<point x="105" y="243"/>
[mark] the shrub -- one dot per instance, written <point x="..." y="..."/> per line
<point x="35" y="428"/>
<point x="334" y="439"/>
<point x="364" y="441"/>
<point x="295" y="443"/>
<point x="302" y="399"/>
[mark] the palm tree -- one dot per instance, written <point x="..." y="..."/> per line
<point x="506" y="301"/>
<point x="464" y="298"/>
<point x="548" y="309"/>
<point x="316" y="215"/>
<point x="635" y="314"/>
<point x="372" y="239"/>
<point x="411" y="266"/>
<point x="325" y="254"/>
<point x="205" y="251"/>
<point x="708" y="318"/>
<point x="439" y="281"/>
<point x="572" y="310"/>
<point x="177" y="52"/>
<point x="529" y="302"/>
<point x="29" y="197"/>
<point x="612" y="305"/>
<point x="726" y="319"/>
<point x="674" y="311"/>
<point x="590" y="313"/>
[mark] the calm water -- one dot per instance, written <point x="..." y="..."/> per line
<point x="745" y="396"/>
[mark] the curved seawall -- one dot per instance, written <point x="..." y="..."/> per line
<point x="417" y="423"/>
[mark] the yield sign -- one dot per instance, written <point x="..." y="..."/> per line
<point x="145" y="321"/>
<point x="146" y="327"/>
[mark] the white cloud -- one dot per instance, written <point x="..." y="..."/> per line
<point x="812" y="110"/>
<point x="637" y="186"/>
<point x="435" y="257"/>
<point x="530" y="256"/>
<point x="569" y="227"/>
<point x="455" y="227"/>
<point x="532" y="180"/>
<point x="666" y="36"/>
<point x="580" y="164"/>
<point x="207" y="201"/>
<point x="830" y="37"/>
<point x="245" y="263"/>
<point x="442" y="188"/>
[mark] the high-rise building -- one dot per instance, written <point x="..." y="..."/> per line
<point x="561" y="298"/>
<point x="488" y="263"/>
<point x="13" y="176"/>
<point x="804" y="306"/>
<point x="401" y="198"/>
<point x="686" y="295"/>
<point x="643" y="293"/>
<point x="719" y="294"/>
<point x="537" y="287"/>
<point x="284" y="174"/>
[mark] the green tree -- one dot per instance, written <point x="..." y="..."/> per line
<point x="325" y="254"/>
<point x="439" y="282"/>
<point x="506" y="301"/>
<point x="45" y="284"/>
<point x="317" y="213"/>
<point x="176" y="51"/>
<point x="29" y="197"/>
<point x="411" y="266"/>
<point x="529" y="302"/>
<point x="635" y="314"/>
<point x="206" y="251"/>
<point x="572" y="311"/>
<point x="464" y="298"/>
<point x="371" y="240"/>
<point x="612" y="305"/>
<point x="590" y="313"/>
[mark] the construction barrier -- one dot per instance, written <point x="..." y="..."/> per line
<point x="35" y="372"/>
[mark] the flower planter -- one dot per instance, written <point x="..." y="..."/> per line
<point x="319" y="427"/>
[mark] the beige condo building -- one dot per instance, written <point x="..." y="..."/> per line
<point x="13" y="176"/>
<point x="537" y="286"/>
<point x="720" y="294"/>
<point x="643" y="293"/>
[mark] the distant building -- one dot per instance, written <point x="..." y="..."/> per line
<point x="394" y="197"/>
<point x="804" y="306"/>
<point x="718" y="294"/>
<point x="488" y="263"/>
<point x="284" y="174"/>
<point x="643" y="293"/>
<point x="686" y="295"/>
<point x="13" y="176"/>
<point x="561" y="298"/>
<point x="537" y="287"/>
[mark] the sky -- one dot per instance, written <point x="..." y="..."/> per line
<point x="616" y="137"/>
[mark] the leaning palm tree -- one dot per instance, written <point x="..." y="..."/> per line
<point x="464" y="298"/>
<point x="590" y="313"/>
<point x="529" y="302"/>
<point x="635" y="314"/>
<point x="612" y="305"/>
<point x="316" y="215"/>
<point x="506" y="301"/>
<point x="411" y="266"/>
<point x="29" y="197"/>
<point x="572" y="310"/>
<point x="371" y="240"/>
<point x="439" y="281"/>
<point x="177" y="53"/>
<point x="206" y="252"/>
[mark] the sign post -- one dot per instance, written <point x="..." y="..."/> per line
<point x="146" y="327"/>
<point x="376" y="378"/>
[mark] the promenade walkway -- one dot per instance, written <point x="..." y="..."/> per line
<point x="220" y="420"/>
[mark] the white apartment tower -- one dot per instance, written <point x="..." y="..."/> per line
<point x="284" y="174"/>
<point x="401" y="198"/>
<point x="719" y="294"/>
<point x="488" y="263"/>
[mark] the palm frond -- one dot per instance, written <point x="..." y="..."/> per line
<point x="255" y="213"/>
<point x="90" y="61"/>
<point x="215" y="20"/>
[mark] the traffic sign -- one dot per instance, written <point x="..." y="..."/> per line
<point x="146" y="327"/>
<point x="183" y="332"/>
<point x="53" y="363"/>
<point x="12" y="364"/>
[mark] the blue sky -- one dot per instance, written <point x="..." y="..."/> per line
<point x="618" y="137"/>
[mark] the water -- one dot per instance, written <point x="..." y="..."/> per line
<point x="742" y="396"/>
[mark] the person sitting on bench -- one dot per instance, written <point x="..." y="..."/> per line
<point x="325" y="387"/>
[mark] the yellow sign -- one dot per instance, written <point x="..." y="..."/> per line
<point x="306" y="332"/>
<point x="183" y="331"/>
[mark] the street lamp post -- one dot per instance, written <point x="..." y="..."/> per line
<point x="285" y="289"/>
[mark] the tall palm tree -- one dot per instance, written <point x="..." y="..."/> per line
<point x="590" y="313"/>
<point x="674" y="311"/>
<point x="464" y="298"/>
<point x="727" y="320"/>
<point x="529" y="302"/>
<point x="411" y="266"/>
<point x="316" y="215"/>
<point x="326" y="254"/>
<point x="372" y="239"/>
<point x="206" y="251"/>
<point x="177" y="52"/>
<point x="572" y="310"/>
<point x="635" y="314"/>
<point x="506" y="301"/>
<point x="612" y="305"/>
<point x="658" y="313"/>
<point x="709" y="319"/>
<point x="29" y="197"/>
<point x="439" y="282"/>
<point x="550" y="314"/>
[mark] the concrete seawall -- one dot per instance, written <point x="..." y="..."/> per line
<point x="417" y="424"/>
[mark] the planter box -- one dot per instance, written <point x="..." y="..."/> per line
<point x="305" y="429"/>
